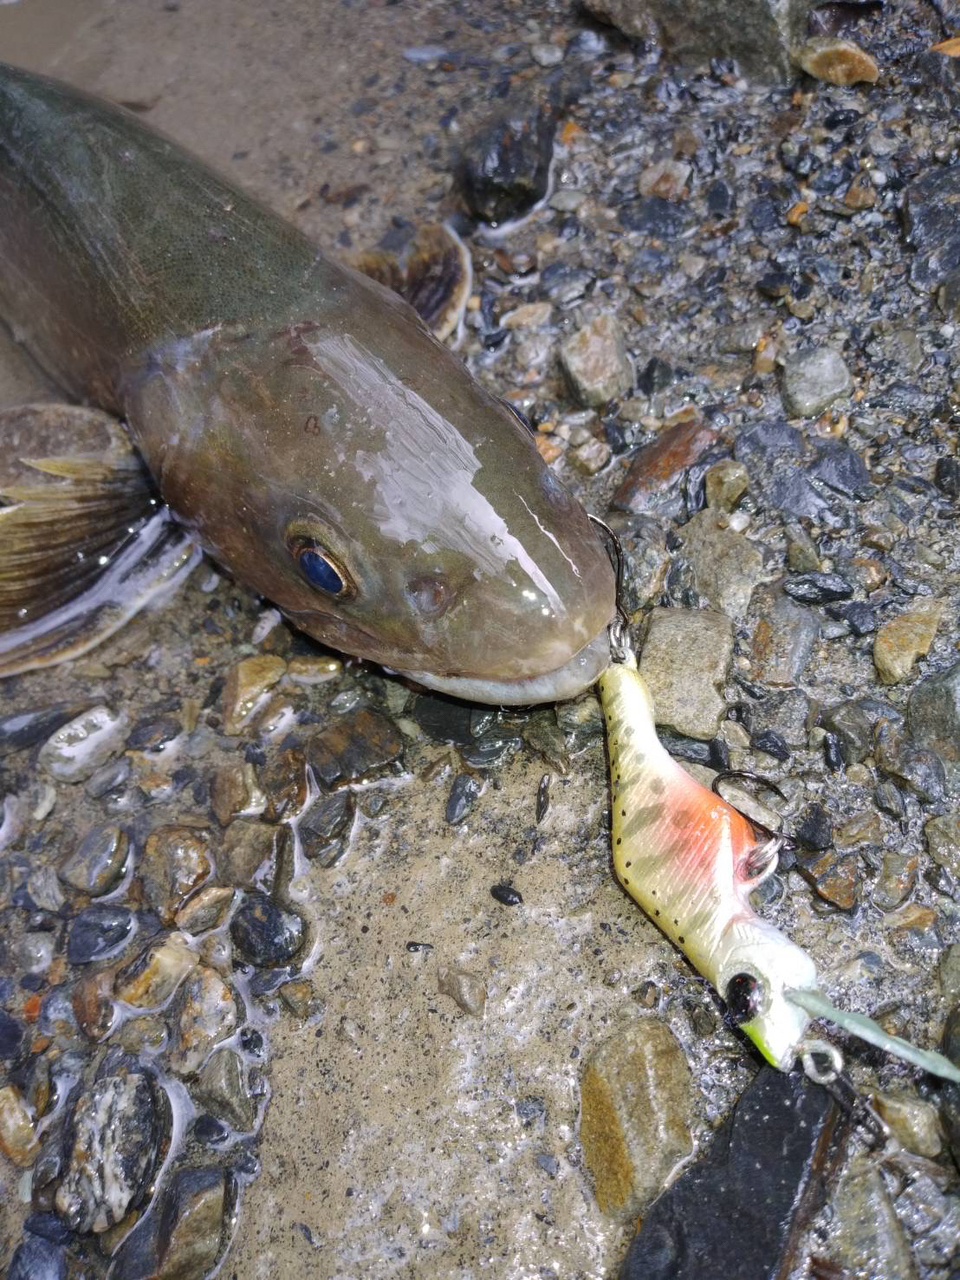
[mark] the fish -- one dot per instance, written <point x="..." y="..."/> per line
<point x="287" y="414"/>
<point x="691" y="861"/>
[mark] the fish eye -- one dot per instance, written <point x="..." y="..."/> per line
<point x="744" y="997"/>
<point x="319" y="567"/>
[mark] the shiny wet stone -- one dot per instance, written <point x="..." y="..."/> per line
<point x="359" y="745"/>
<point x="325" y="825"/>
<point x="96" y="932"/>
<point x="263" y="933"/>
<point x="38" y="1259"/>
<point x="96" y="864"/>
<point x="11" y="1036"/>
<point x="762" y="1171"/>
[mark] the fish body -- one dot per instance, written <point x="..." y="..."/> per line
<point x="687" y="857"/>
<point x="298" y="419"/>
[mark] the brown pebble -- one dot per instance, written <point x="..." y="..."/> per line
<point x="836" y="61"/>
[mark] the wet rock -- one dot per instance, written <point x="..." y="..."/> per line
<point x="11" y="1036"/>
<point x="506" y="894"/>
<point x="206" y="1015"/>
<point x="726" y="565"/>
<point x="468" y="990"/>
<point x="857" y="614"/>
<point x="942" y="835"/>
<point x="871" y="1241"/>
<point x="92" y="1005"/>
<point x="725" y="483"/>
<point x="143" y="1035"/>
<point x="948" y="973"/>
<point x="223" y="1089"/>
<point x="247" y="683"/>
<point x="746" y="1202"/>
<point x="758" y="34"/>
<point x="783" y="638"/>
<point x="18" y="1141"/>
<point x="652" y="484"/>
<point x="284" y="786"/>
<point x="839" y="62"/>
<point x="581" y="718"/>
<point x="685" y="660"/>
<point x="784" y="714"/>
<point x="206" y="910"/>
<point x="34" y="952"/>
<point x="815" y="828"/>
<point x="913" y="1122"/>
<point x="38" y="1259"/>
<point x="596" y="363"/>
<point x="263" y="933"/>
<point x="78" y="749"/>
<point x="250" y="854"/>
<point x="361" y="744"/>
<point x="931" y="226"/>
<point x="898" y="875"/>
<point x="151" y="979"/>
<point x="150" y="734"/>
<point x="834" y="876"/>
<point x="97" y="932"/>
<point x="325" y="827"/>
<point x="176" y="860"/>
<point x="636" y="1098"/>
<point x="44" y="890"/>
<point x="862" y="828"/>
<point x="591" y="456"/>
<point x="26" y="729"/>
<point x="818" y="588"/>
<point x="190" y="1231"/>
<point x="301" y="999"/>
<point x="115" y="1134"/>
<point x="777" y="457"/>
<point x="505" y="165"/>
<point x="463" y="796"/>
<point x="931" y="1217"/>
<point x="904" y="639"/>
<point x="842" y="469"/>
<point x="234" y="790"/>
<point x="812" y="380"/>
<point x="933" y="713"/>
<point x="950" y="1092"/>
<point x="97" y="863"/>
<point x="921" y="770"/>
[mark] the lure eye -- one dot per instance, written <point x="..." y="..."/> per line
<point x="319" y="568"/>
<point x="744" y="996"/>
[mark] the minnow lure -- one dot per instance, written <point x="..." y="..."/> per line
<point x="692" y="861"/>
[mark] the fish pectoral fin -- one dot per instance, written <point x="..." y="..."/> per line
<point x="433" y="272"/>
<point x="83" y="542"/>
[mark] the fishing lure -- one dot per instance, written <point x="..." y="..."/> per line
<point x="692" y="861"/>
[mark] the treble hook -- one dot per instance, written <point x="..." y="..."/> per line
<point x="619" y="648"/>
<point x="764" y="859"/>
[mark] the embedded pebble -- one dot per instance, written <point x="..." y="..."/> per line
<point x="635" y="1094"/>
<point x="817" y="588"/>
<point x="263" y="933"/>
<point x="933" y="713"/>
<point x="872" y="1242"/>
<point x="839" y="62"/>
<point x="206" y="910"/>
<point x="898" y="875"/>
<point x="207" y="1014"/>
<point x="149" y="981"/>
<point x="115" y="1129"/>
<point x="360" y="745"/>
<point x="284" y="787"/>
<point x="652" y="483"/>
<point x="812" y="380"/>
<point x="468" y="990"/>
<point x="783" y="639"/>
<point x="247" y="683"/>
<point x="97" y="932"/>
<point x="942" y="836"/>
<point x="904" y="639"/>
<point x="38" y="1259"/>
<point x="325" y="826"/>
<point x="505" y="163"/>
<point x="78" y="749"/>
<point x="250" y="854"/>
<point x="726" y="482"/>
<point x="463" y="796"/>
<point x="596" y="363"/>
<point x="684" y="660"/>
<point x="234" y="790"/>
<point x="176" y="860"/>
<point x="97" y="863"/>
<point x="18" y="1140"/>
<point x="11" y="1036"/>
<point x="223" y="1089"/>
<point x="726" y="565"/>
<point x="913" y="1122"/>
<point x="191" y="1226"/>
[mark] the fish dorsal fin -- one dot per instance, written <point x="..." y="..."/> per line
<point x="432" y="272"/>
<point x="74" y="561"/>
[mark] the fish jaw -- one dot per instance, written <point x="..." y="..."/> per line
<point x="566" y="681"/>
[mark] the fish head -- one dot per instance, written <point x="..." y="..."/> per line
<point x="760" y="966"/>
<point x="354" y="473"/>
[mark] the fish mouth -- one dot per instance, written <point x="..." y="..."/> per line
<point x="573" y="677"/>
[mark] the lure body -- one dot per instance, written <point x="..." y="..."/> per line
<point x="685" y="856"/>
